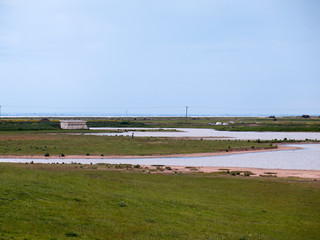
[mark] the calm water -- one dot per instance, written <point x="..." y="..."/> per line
<point x="211" y="133"/>
<point x="306" y="158"/>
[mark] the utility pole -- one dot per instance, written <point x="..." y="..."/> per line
<point x="187" y="114"/>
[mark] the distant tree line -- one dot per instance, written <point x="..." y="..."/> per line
<point x="113" y="123"/>
<point x="20" y="125"/>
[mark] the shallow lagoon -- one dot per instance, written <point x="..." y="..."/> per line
<point x="307" y="158"/>
<point x="213" y="134"/>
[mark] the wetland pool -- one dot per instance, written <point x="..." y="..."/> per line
<point x="210" y="134"/>
<point x="306" y="158"/>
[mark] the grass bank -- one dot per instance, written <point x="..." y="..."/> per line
<point x="58" y="144"/>
<point x="272" y="123"/>
<point x="65" y="202"/>
<point x="289" y="124"/>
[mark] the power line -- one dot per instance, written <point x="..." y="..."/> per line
<point x="187" y="114"/>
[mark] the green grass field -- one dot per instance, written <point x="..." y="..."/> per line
<point x="57" y="144"/>
<point x="291" y="124"/>
<point x="294" y="124"/>
<point x="40" y="201"/>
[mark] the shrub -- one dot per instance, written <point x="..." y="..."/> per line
<point x="248" y="173"/>
<point x="122" y="204"/>
<point x="71" y="234"/>
<point x="46" y="154"/>
<point x="159" y="168"/>
<point x="137" y="166"/>
<point x="234" y="173"/>
<point x="150" y="220"/>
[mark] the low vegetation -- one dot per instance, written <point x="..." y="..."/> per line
<point x="271" y="123"/>
<point x="63" y="145"/>
<point x="56" y="201"/>
<point x="28" y="124"/>
<point x="290" y="124"/>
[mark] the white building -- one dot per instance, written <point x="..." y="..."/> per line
<point x="73" y="124"/>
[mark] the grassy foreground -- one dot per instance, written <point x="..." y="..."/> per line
<point x="41" y="144"/>
<point x="65" y="202"/>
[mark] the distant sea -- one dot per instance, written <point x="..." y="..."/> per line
<point x="75" y="114"/>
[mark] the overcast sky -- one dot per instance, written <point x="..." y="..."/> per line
<point x="109" y="56"/>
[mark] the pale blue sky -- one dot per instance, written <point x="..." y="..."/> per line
<point x="155" y="57"/>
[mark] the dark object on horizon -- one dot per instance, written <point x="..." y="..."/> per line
<point x="272" y="116"/>
<point x="305" y="116"/>
<point x="44" y="120"/>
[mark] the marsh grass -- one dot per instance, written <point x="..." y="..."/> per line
<point x="54" y="145"/>
<point x="294" y="124"/>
